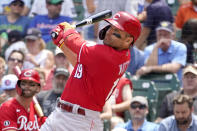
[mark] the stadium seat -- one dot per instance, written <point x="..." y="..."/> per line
<point x="164" y="82"/>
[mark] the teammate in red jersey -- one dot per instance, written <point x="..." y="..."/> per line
<point x="19" y="113"/>
<point x="97" y="69"/>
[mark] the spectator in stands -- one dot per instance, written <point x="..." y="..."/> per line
<point x="37" y="55"/>
<point x="186" y="12"/>
<point x="89" y="9"/>
<point x="16" y="58"/>
<point x="189" y="88"/>
<point x="42" y="75"/>
<point x="60" y="62"/>
<point x="106" y="114"/>
<point x="156" y="11"/>
<point x="39" y="8"/>
<point x="8" y="87"/>
<point x="14" y="19"/>
<point x="47" y="99"/>
<point x="138" y="111"/>
<point x="183" y="119"/>
<point x="4" y="7"/>
<point x="15" y="42"/>
<point x="137" y="60"/>
<point x="188" y="37"/>
<point x="2" y="69"/>
<point x="47" y="22"/>
<point x="166" y="55"/>
<point x="122" y="96"/>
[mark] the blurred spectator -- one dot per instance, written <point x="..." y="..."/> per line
<point x="9" y="87"/>
<point x="188" y="36"/>
<point x="189" y="88"/>
<point x="47" y="99"/>
<point x="42" y="75"/>
<point x="156" y="11"/>
<point x="186" y="12"/>
<point x="183" y="119"/>
<point x="106" y="114"/>
<point x="89" y="7"/>
<point x="16" y="58"/>
<point x="2" y="71"/>
<point x="47" y="22"/>
<point x="166" y="55"/>
<point x="14" y="19"/>
<point x="5" y="9"/>
<point x="39" y="8"/>
<point x="137" y="60"/>
<point x="138" y="111"/>
<point x="123" y="96"/>
<point x="60" y="62"/>
<point x="37" y="55"/>
<point x="19" y="113"/>
<point x="15" y="43"/>
<point x="129" y="6"/>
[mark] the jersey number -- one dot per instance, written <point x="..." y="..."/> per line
<point x="78" y="72"/>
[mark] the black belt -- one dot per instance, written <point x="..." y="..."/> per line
<point x="69" y="108"/>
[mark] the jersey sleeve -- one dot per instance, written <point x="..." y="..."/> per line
<point x="8" y="119"/>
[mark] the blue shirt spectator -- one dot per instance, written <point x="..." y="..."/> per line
<point x="137" y="60"/>
<point x="20" y="25"/>
<point x="176" y="53"/>
<point x="169" y="124"/>
<point x="46" y="24"/>
<point x="147" y="126"/>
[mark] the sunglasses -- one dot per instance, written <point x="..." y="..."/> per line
<point x="134" y="106"/>
<point x="13" y="60"/>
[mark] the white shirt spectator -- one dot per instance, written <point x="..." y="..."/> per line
<point x="39" y="7"/>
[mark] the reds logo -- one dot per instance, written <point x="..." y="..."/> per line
<point x="7" y="82"/>
<point x="28" y="73"/>
<point x="27" y="125"/>
<point x="116" y="17"/>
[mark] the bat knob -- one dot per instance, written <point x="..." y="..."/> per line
<point x="54" y="35"/>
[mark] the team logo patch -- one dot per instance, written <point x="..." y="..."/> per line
<point x="7" y="82"/>
<point x="6" y="123"/>
<point x="28" y="73"/>
<point x="116" y="17"/>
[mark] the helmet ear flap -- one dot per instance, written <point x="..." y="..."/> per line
<point x="18" y="88"/>
<point x="103" y="32"/>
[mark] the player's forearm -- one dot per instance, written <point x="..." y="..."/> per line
<point x="71" y="56"/>
<point x="153" y="58"/>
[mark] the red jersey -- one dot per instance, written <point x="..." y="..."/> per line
<point x="13" y="116"/>
<point x="98" y="70"/>
<point x="118" y="92"/>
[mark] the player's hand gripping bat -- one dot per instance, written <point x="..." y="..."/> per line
<point x="90" y="20"/>
<point x="37" y="106"/>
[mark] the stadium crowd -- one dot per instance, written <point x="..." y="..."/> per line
<point x="167" y="44"/>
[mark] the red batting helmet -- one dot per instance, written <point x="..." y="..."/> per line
<point x="126" y="22"/>
<point x="27" y="74"/>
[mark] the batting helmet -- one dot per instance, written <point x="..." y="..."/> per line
<point x="126" y="22"/>
<point x="27" y="74"/>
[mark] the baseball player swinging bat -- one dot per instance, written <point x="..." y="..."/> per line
<point x="90" y="20"/>
<point x="37" y="106"/>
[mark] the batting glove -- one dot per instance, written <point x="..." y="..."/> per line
<point x="60" y="30"/>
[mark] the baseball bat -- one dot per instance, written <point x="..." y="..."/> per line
<point x="90" y="20"/>
<point x="37" y="106"/>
